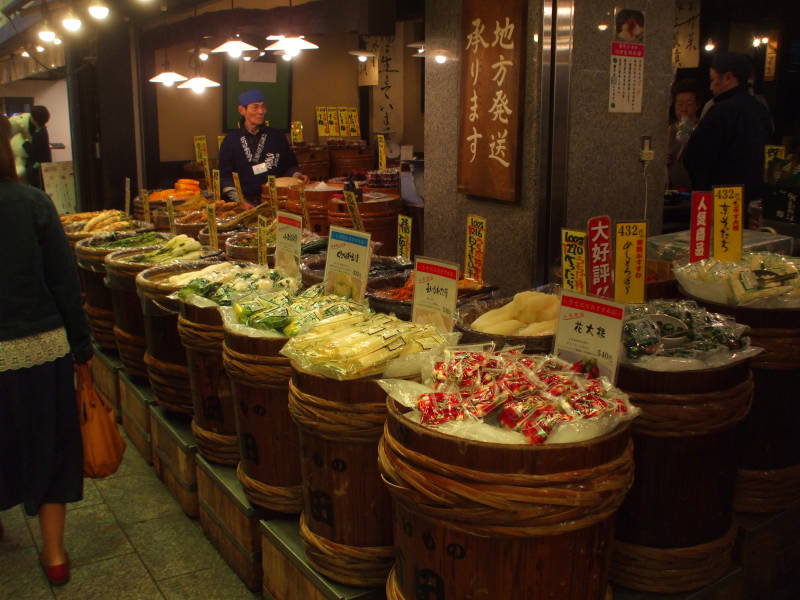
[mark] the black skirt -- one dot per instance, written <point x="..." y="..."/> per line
<point x="41" y="453"/>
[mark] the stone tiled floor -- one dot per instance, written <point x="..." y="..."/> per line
<point x="127" y="540"/>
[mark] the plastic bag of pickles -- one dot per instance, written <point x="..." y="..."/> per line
<point x="679" y="335"/>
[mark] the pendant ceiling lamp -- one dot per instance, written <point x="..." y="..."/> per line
<point x="233" y="46"/>
<point x="167" y="76"/>
<point x="198" y="83"/>
<point x="289" y="45"/>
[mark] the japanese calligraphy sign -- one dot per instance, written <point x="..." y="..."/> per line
<point x="686" y="35"/>
<point x="207" y="173"/>
<point x="381" y="152"/>
<point x="171" y="216"/>
<point x="600" y="257"/>
<point x="262" y="239"/>
<point x="145" y="197"/>
<point x="386" y="105"/>
<point x="128" y="195"/>
<point x="217" y="192"/>
<point x="700" y="231"/>
<point x="200" y="148"/>
<point x="492" y="68"/>
<point x="368" y="71"/>
<point x="352" y="208"/>
<point x="323" y="128"/>
<point x="238" y="185"/>
<point x="435" y="293"/>
<point x="211" y="214"/>
<point x="475" y="251"/>
<point x="629" y="276"/>
<point x="347" y="265"/>
<point x="287" y="243"/>
<point x="728" y="223"/>
<point x="273" y="196"/>
<point x="626" y="73"/>
<point x="573" y="260"/>
<point x="590" y="329"/>
<point x="404" y="236"/>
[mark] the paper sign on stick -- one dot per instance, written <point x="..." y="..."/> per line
<point x="287" y="243"/>
<point x="700" y="231"/>
<point x="128" y="195"/>
<point x="238" y="185"/>
<point x="404" y="236"/>
<point x="352" y="208"/>
<point x="475" y="252"/>
<point x="728" y="223"/>
<point x="145" y="197"/>
<point x="600" y="256"/>
<point x="211" y="213"/>
<point x="273" y="196"/>
<point x="435" y="293"/>
<point x="573" y="260"/>
<point x="381" y="151"/>
<point x="347" y="265"/>
<point x="262" y="240"/>
<point x="629" y="276"/>
<point x="304" y="207"/>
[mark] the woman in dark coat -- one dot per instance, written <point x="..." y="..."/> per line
<point x="43" y="332"/>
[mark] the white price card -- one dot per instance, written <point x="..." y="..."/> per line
<point x="589" y="332"/>
<point x="287" y="243"/>
<point x="435" y="293"/>
<point x="347" y="265"/>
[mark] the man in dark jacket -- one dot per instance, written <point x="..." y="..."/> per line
<point x="255" y="151"/>
<point x="727" y="147"/>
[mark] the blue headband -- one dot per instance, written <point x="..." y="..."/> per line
<point x="250" y="96"/>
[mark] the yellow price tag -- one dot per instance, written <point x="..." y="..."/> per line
<point x="263" y="229"/>
<point x="207" y="173"/>
<point x="211" y="212"/>
<point x="475" y="252"/>
<point x="296" y="132"/>
<point x="217" y="192"/>
<point x="728" y="223"/>
<point x="145" y="198"/>
<point x="304" y="207"/>
<point x="238" y="185"/>
<point x="273" y="196"/>
<point x="171" y="216"/>
<point x="573" y="260"/>
<point x="128" y="195"/>
<point x="404" y="237"/>
<point x="200" y="148"/>
<point x="631" y="261"/>
<point x="770" y="154"/>
<point x="352" y="208"/>
<point x="381" y="152"/>
<point x="220" y="139"/>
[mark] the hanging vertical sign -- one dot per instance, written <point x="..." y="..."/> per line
<point x="600" y="257"/>
<point x="404" y="236"/>
<point x="288" y="238"/>
<point x="492" y="67"/>
<point x="200" y="148"/>
<point x="171" y="216"/>
<point x="626" y="74"/>
<point x="211" y="215"/>
<point x="686" y="35"/>
<point x="630" y="261"/>
<point x="573" y="260"/>
<point x="347" y="265"/>
<point x="352" y="208"/>
<point x="728" y="223"/>
<point x="144" y="196"/>
<point x="435" y="293"/>
<point x="262" y="239"/>
<point x="475" y="251"/>
<point x="128" y="195"/>
<point x="700" y="232"/>
<point x="381" y="151"/>
<point x="304" y="207"/>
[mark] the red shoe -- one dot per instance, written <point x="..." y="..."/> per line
<point x="56" y="574"/>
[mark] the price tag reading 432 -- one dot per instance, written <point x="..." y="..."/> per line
<point x="287" y="243"/>
<point x="589" y="332"/>
<point x="630" y="258"/>
<point x="728" y="223"/>
<point x="347" y="264"/>
<point x="435" y="293"/>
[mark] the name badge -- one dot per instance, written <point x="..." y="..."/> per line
<point x="259" y="168"/>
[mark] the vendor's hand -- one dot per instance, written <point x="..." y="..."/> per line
<point x="301" y="176"/>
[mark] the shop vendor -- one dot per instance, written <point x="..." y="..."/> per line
<point x="255" y="151"/>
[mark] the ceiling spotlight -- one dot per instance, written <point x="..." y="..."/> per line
<point x="98" y="9"/>
<point x="40" y="49"/>
<point x="46" y="34"/>
<point x="756" y="42"/>
<point x="247" y="58"/>
<point x="602" y="26"/>
<point x="765" y="40"/>
<point x="57" y="41"/>
<point x="362" y="59"/>
<point x="286" y="57"/>
<point x="709" y="45"/>
<point x="203" y="56"/>
<point x="262" y="53"/>
<point x="24" y="54"/>
<point x="362" y="55"/>
<point x="71" y="23"/>
<point x="440" y="58"/>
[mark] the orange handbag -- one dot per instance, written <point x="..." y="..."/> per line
<point x="103" y="446"/>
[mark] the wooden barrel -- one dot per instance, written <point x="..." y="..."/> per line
<point x="485" y="520"/>
<point x="533" y="345"/>
<point x="75" y="234"/>
<point x="348" y="159"/>
<point x="165" y="356"/>
<point x="346" y="523"/>
<point x="243" y="247"/>
<point x="214" y="419"/>
<point x="768" y="479"/>
<point x="190" y="229"/>
<point x="675" y="531"/>
<point x="97" y="297"/>
<point x="269" y="469"/>
<point x="314" y="161"/>
<point x="128" y="319"/>
<point x="317" y="202"/>
<point x="379" y="215"/>
<point x="222" y="236"/>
